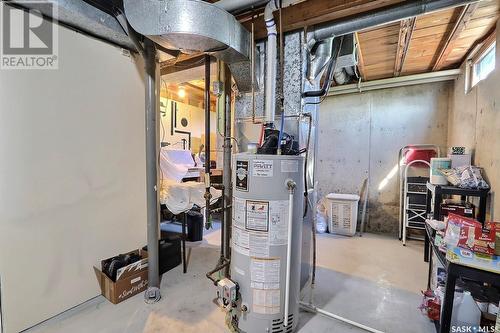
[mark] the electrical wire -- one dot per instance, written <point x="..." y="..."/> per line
<point x="330" y="76"/>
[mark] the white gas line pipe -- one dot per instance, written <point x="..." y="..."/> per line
<point x="272" y="63"/>
<point x="314" y="309"/>
<point x="291" y="190"/>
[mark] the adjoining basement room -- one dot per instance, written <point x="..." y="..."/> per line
<point x="253" y="166"/>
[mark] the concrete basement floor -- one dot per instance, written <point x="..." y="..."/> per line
<point x="373" y="280"/>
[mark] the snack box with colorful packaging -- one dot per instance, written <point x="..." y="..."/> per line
<point x="472" y="236"/>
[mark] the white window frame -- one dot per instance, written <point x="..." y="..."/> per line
<point x="474" y="80"/>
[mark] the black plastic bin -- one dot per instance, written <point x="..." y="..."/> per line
<point x="194" y="224"/>
<point x="169" y="253"/>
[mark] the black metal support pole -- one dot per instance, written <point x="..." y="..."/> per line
<point x="222" y="224"/>
<point x="184" y="236"/>
<point x="208" y="196"/>
<point x="481" y="216"/>
<point x="152" y="110"/>
<point x="448" y="301"/>
<point x="428" y="208"/>
<point x="226" y="168"/>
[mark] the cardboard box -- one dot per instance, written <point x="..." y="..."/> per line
<point x="130" y="281"/>
<point x="462" y="209"/>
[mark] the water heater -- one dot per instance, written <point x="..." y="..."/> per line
<point x="268" y="194"/>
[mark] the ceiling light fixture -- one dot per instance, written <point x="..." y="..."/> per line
<point x="181" y="93"/>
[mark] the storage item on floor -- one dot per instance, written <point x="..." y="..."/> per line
<point x="436" y="177"/>
<point x="321" y="218"/>
<point x="194" y="225"/>
<point x="130" y="280"/>
<point x="342" y="213"/>
<point x="170" y="255"/>
<point x="465" y="312"/>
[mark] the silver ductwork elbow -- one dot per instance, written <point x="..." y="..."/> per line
<point x="194" y="26"/>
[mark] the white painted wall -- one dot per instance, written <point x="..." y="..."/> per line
<point x="72" y="176"/>
<point x="475" y="123"/>
<point x="360" y="136"/>
<point x="196" y="123"/>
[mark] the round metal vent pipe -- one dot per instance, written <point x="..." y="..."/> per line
<point x="382" y="16"/>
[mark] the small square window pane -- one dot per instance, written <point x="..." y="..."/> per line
<point x="484" y="66"/>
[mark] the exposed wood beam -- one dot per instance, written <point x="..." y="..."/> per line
<point x="361" y="61"/>
<point x="183" y="61"/>
<point x="406" y="29"/>
<point x="313" y="12"/>
<point x="194" y="87"/>
<point x="480" y="46"/>
<point x="194" y="95"/>
<point x="464" y="16"/>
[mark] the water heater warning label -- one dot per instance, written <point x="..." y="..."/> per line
<point x="250" y="243"/>
<point x="257" y="215"/>
<point x="266" y="301"/>
<point x="265" y="273"/>
<point x="262" y="168"/>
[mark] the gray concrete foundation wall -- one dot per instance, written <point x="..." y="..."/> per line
<point x="360" y="136"/>
<point x="474" y="122"/>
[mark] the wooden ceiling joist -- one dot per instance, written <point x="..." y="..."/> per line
<point x="182" y="62"/>
<point x="313" y="12"/>
<point x="464" y="16"/>
<point x="405" y="34"/>
<point x="361" y="61"/>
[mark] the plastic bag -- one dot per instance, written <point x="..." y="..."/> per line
<point x="465" y="177"/>
<point x="321" y="218"/>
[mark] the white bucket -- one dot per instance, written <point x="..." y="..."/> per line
<point x="439" y="163"/>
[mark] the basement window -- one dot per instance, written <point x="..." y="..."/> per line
<point x="485" y="64"/>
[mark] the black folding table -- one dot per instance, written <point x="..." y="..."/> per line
<point x="453" y="272"/>
<point x="435" y="195"/>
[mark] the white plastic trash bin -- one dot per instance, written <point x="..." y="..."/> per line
<point x="342" y="213"/>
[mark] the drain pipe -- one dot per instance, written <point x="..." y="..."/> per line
<point x="152" y="295"/>
<point x="272" y="64"/>
<point x="384" y="15"/>
<point x="313" y="309"/>
<point x="149" y="54"/>
<point x="226" y="175"/>
<point x="270" y="106"/>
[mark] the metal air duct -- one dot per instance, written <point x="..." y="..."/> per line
<point x="194" y="26"/>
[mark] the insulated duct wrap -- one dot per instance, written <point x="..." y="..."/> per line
<point x="194" y="26"/>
